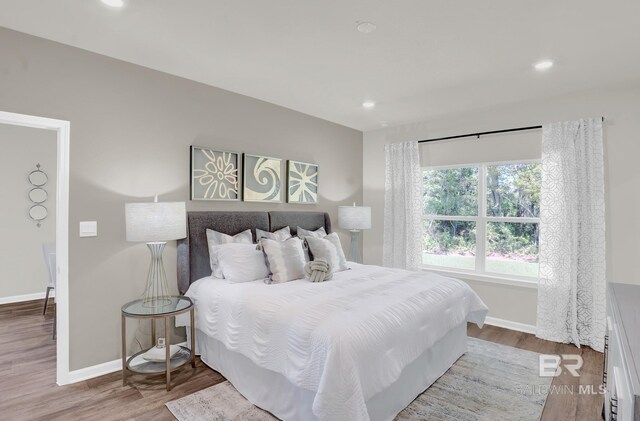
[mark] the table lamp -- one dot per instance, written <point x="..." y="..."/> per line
<point x="354" y="218"/>
<point x="156" y="223"/>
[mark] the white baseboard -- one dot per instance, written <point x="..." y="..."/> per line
<point x="98" y="370"/>
<point x="25" y="297"/>
<point x="508" y="324"/>
<point x="87" y="373"/>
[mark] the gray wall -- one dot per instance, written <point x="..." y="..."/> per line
<point x="619" y="105"/>
<point x="131" y="128"/>
<point x="22" y="268"/>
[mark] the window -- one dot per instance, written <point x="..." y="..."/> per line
<point x="483" y="218"/>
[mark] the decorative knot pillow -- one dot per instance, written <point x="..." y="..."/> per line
<point x="330" y="250"/>
<point x="215" y="239"/>
<point x="318" y="270"/>
<point x="285" y="259"/>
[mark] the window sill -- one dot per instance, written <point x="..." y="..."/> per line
<point x="493" y="279"/>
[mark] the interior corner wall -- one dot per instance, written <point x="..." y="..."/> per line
<point x="22" y="267"/>
<point x="131" y="128"/>
<point x="620" y="105"/>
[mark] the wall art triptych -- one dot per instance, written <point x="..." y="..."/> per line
<point x="215" y="175"/>
<point x="262" y="179"/>
<point x="302" y="182"/>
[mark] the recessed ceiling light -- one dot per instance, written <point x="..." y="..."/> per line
<point x="368" y="104"/>
<point x="113" y="3"/>
<point x="366" y="27"/>
<point x="543" y="65"/>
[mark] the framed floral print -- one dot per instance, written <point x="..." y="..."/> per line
<point x="214" y="174"/>
<point x="302" y="182"/>
<point x="262" y="179"/>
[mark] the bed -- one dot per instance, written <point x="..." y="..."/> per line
<point x="361" y="346"/>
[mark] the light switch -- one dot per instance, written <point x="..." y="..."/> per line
<point x="88" y="229"/>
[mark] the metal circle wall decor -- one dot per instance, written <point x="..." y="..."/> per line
<point x="37" y="195"/>
<point x="38" y="177"/>
<point x="38" y="213"/>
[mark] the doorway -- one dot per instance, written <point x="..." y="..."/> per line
<point x="37" y="196"/>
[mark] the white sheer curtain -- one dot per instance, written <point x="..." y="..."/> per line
<point x="403" y="206"/>
<point x="572" y="289"/>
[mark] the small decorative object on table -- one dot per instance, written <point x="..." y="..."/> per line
<point x="151" y="360"/>
<point x="158" y="353"/>
<point x="354" y="218"/>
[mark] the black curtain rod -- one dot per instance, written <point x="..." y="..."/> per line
<point x="517" y="129"/>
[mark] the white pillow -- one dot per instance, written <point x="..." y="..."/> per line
<point x="279" y="235"/>
<point x="329" y="249"/>
<point x="241" y="262"/>
<point x="284" y="258"/>
<point x="215" y="239"/>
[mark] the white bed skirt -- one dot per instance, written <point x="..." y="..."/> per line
<point x="274" y="393"/>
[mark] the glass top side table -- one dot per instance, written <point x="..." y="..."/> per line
<point x="136" y="363"/>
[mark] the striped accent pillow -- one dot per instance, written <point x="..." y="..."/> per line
<point x="285" y="259"/>
<point x="329" y="249"/>
<point x="280" y="235"/>
<point x="215" y="239"/>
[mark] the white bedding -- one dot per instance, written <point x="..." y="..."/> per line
<point x="346" y="339"/>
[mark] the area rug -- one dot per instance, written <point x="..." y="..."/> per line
<point x="490" y="382"/>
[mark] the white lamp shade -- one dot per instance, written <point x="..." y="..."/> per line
<point x="354" y="217"/>
<point x="155" y="221"/>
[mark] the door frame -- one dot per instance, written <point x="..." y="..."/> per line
<point x="62" y="129"/>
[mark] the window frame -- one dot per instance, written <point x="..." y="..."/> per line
<point x="481" y="220"/>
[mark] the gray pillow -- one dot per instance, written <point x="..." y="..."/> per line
<point x="329" y="249"/>
<point x="285" y="259"/>
<point x="319" y="233"/>
<point x="280" y="235"/>
<point x="216" y="239"/>
<point x="303" y="233"/>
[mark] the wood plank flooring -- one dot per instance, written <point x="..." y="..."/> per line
<point x="28" y="390"/>
<point x="561" y="403"/>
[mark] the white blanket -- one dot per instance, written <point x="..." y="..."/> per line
<point x="345" y="339"/>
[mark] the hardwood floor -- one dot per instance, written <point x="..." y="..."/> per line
<point x="28" y="390"/>
<point x="564" y="401"/>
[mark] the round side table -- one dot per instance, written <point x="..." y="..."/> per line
<point x="136" y="363"/>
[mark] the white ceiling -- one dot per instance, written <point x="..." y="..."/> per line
<point x="427" y="58"/>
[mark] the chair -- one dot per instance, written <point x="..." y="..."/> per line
<point x="49" y="254"/>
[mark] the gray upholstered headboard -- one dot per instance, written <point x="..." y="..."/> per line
<point x="193" y="251"/>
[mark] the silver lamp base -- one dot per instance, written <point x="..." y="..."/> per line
<point x="156" y="292"/>
<point x="354" y="247"/>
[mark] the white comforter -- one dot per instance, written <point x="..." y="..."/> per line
<point x="345" y="339"/>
